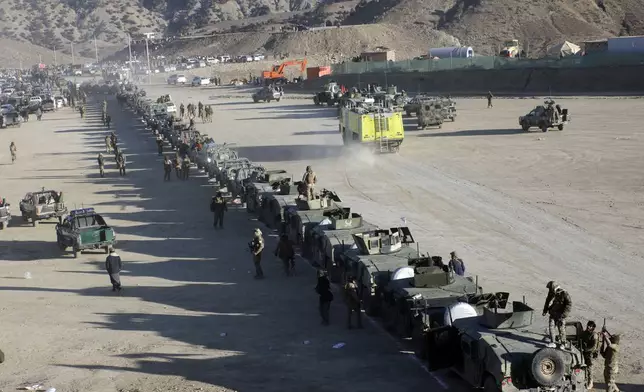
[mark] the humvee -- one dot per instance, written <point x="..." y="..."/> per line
<point x="267" y="94"/>
<point x="41" y="205"/>
<point x="501" y="350"/>
<point x="549" y="115"/>
<point x="430" y="113"/>
<point x="330" y="96"/>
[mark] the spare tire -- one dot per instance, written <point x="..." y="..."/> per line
<point x="548" y="367"/>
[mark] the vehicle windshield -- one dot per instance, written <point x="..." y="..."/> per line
<point x="89" y="221"/>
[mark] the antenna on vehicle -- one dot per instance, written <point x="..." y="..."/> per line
<point x="524" y="300"/>
<point x="418" y="249"/>
<point x="477" y="284"/>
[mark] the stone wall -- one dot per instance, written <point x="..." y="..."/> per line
<point x="626" y="80"/>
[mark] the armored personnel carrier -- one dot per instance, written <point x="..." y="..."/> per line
<point x="325" y="243"/>
<point x="380" y="129"/>
<point x="426" y="283"/>
<point x="502" y="350"/>
<point x="376" y="255"/>
<point x="308" y="213"/>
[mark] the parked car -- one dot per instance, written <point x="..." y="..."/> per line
<point x="199" y="81"/>
<point x="171" y="108"/>
<point x="177" y="79"/>
<point x="48" y="105"/>
<point x="84" y="229"/>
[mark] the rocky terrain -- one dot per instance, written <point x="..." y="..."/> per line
<point x="408" y="26"/>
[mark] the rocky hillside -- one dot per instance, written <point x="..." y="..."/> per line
<point x="483" y="24"/>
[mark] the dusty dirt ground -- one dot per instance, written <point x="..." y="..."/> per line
<point x="184" y="286"/>
<point x="520" y="208"/>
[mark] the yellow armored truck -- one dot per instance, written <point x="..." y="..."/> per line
<point x="373" y="126"/>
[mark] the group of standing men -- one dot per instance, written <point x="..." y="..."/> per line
<point x="558" y="306"/>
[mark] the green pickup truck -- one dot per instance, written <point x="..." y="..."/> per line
<point x="84" y="229"/>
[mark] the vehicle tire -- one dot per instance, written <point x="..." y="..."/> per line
<point x="525" y="126"/>
<point x="548" y="367"/>
<point x="316" y="100"/>
<point x="2" y="225"/>
<point x="76" y="252"/>
<point x="560" y="127"/>
<point x="278" y="99"/>
<point x="489" y="385"/>
<point x="544" y="128"/>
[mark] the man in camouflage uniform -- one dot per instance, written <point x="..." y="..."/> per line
<point x="200" y="109"/>
<point x="352" y="297"/>
<point x="218" y="208"/>
<point x="120" y="163"/>
<point x="256" y="248"/>
<point x="589" y="350"/>
<point x="558" y="305"/>
<point x="167" y="169"/>
<point x="185" y="167"/>
<point x="13" y="150"/>
<point x="309" y="179"/>
<point x="101" y="164"/>
<point x="610" y="352"/>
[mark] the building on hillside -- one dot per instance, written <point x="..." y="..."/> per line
<point x="597" y="46"/>
<point x="387" y="55"/>
<point x="634" y="44"/>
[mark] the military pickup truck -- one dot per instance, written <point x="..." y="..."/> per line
<point x="41" y="205"/>
<point x="84" y="229"/>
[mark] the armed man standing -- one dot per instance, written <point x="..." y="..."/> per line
<point x="108" y="144"/>
<point x="160" y="144"/>
<point x="286" y="253"/>
<point x="589" y="343"/>
<point x="309" y="179"/>
<point x="256" y="247"/>
<point x="558" y="305"/>
<point x="13" y="150"/>
<point x="101" y="164"/>
<point x="113" y="266"/>
<point x="120" y="162"/>
<point x="352" y="297"/>
<point x="218" y="207"/>
<point x="610" y="352"/>
<point x="167" y="169"/>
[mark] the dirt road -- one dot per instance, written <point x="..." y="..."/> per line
<point x="190" y="316"/>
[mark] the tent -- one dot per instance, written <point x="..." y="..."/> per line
<point x="564" y="49"/>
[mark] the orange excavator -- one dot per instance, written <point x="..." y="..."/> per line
<point x="278" y="70"/>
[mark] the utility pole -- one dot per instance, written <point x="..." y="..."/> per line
<point x="129" y="44"/>
<point x="96" y="50"/>
<point x="72" y="53"/>
<point x="147" y="54"/>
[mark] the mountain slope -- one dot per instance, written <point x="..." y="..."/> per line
<point x="485" y="24"/>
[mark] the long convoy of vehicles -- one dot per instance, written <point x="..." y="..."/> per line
<point x="452" y="323"/>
